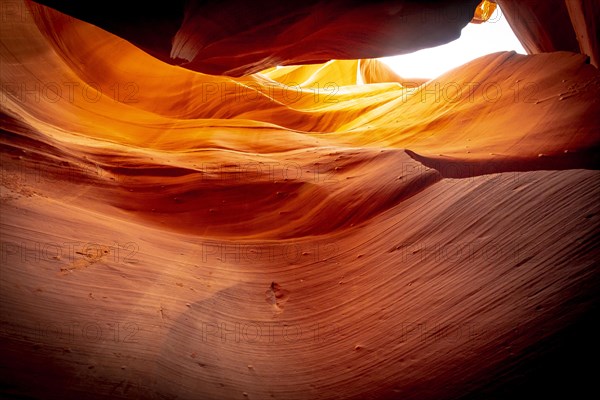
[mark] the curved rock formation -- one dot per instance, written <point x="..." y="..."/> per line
<point x="315" y="231"/>
<point x="239" y="37"/>
<point x="545" y="26"/>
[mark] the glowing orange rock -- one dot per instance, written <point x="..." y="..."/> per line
<point x="319" y="231"/>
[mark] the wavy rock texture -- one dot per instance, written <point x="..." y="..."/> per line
<point x="544" y="26"/>
<point x="316" y="231"/>
<point x="237" y="37"/>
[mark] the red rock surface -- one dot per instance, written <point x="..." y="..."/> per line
<point x="316" y="231"/>
<point x="545" y="26"/>
<point x="237" y="37"/>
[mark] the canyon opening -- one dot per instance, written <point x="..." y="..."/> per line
<point x="299" y="200"/>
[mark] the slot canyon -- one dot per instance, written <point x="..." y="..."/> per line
<point x="241" y="200"/>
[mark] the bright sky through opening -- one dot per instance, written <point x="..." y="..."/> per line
<point x="475" y="41"/>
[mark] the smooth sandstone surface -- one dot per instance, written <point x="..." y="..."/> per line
<point x="317" y="231"/>
<point x="236" y="37"/>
